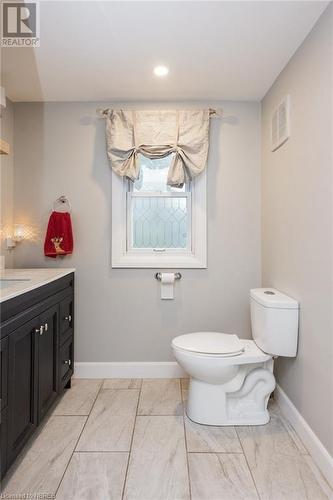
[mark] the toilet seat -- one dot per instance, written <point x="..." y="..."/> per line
<point x="211" y="343"/>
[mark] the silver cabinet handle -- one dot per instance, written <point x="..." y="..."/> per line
<point x="67" y="362"/>
<point x="68" y="318"/>
<point x="40" y="330"/>
<point x="46" y="327"/>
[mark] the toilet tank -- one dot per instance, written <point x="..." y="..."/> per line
<point x="274" y="319"/>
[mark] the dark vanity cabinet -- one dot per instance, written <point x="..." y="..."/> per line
<point x="37" y="361"/>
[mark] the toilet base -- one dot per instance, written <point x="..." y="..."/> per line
<point x="260" y="419"/>
<point x="213" y="404"/>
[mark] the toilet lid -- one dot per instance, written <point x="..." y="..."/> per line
<point x="209" y="343"/>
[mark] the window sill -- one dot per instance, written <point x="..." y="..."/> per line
<point x="159" y="261"/>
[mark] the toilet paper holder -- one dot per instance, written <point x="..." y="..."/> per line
<point x="158" y="276"/>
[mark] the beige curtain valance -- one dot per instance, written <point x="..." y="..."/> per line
<point x="156" y="134"/>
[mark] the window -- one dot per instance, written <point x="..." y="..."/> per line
<point x="155" y="225"/>
<point x="159" y="216"/>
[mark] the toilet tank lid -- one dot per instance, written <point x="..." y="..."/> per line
<point x="270" y="297"/>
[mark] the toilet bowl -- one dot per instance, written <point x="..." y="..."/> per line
<point x="231" y="379"/>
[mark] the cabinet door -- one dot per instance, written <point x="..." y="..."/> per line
<point x="47" y="350"/>
<point x="66" y="319"/>
<point x="66" y="366"/>
<point x="22" y="401"/>
<point x="3" y="442"/>
<point x="4" y="371"/>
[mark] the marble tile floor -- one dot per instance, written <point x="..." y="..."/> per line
<point x="131" y="439"/>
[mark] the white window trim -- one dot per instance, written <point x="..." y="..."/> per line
<point x="122" y="258"/>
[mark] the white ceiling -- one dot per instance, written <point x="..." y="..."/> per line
<point x="106" y="50"/>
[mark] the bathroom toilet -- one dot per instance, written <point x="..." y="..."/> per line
<point x="231" y="379"/>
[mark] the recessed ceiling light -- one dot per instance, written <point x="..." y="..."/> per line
<point x="161" y="71"/>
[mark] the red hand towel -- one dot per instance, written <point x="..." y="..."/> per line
<point x="59" y="235"/>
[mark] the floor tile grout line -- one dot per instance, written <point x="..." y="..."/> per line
<point x="121" y="388"/>
<point x="172" y="413"/>
<point x="99" y="389"/>
<point x="101" y="451"/>
<point x="285" y="422"/>
<point x="247" y="463"/>
<point x="91" y="408"/>
<point x="160" y="415"/>
<point x="78" y="439"/>
<point x="185" y="438"/>
<point x="299" y="455"/>
<point x="71" y="456"/>
<point x="130" y="450"/>
<point x="214" y="453"/>
<point x="31" y="440"/>
<point x="323" y="483"/>
<point x="48" y="417"/>
<point x="70" y="415"/>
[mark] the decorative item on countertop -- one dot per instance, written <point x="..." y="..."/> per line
<point x="59" y="234"/>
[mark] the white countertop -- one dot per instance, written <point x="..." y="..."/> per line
<point x="33" y="278"/>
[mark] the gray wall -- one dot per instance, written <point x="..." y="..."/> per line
<point x="297" y="223"/>
<point x="6" y="179"/>
<point x="60" y="149"/>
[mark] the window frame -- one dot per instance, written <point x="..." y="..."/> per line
<point x="124" y="257"/>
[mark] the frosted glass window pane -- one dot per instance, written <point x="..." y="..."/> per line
<point x="159" y="222"/>
<point x="154" y="175"/>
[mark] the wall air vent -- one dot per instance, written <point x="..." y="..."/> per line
<point x="280" y="132"/>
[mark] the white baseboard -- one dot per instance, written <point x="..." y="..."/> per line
<point x="317" y="450"/>
<point x="135" y="369"/>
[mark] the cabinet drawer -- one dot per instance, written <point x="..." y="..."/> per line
<point x="66" y="319"/>
<point x="66" y="363"/>
<point x="3" y="442"/>
<point x="4" y="372"/>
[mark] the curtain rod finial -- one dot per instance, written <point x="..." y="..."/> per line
<point x="101" y="113"/>
<point x="218" y="113"/>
